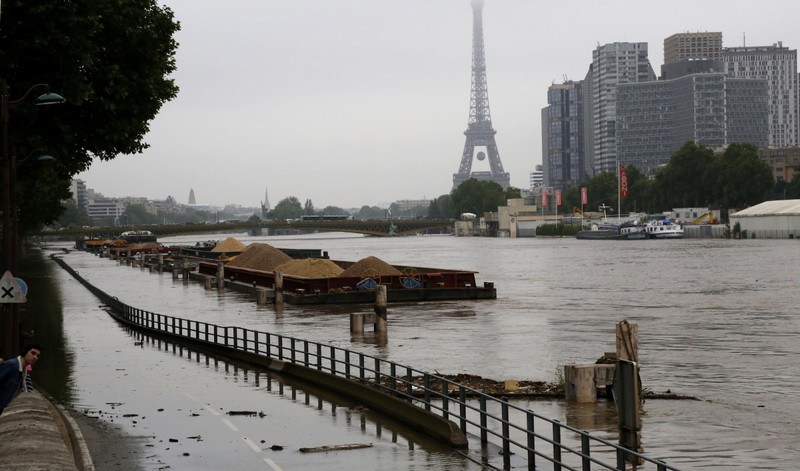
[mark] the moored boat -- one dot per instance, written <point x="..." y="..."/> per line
<point x="626" y="231"/>
<point x="664" y="229"/>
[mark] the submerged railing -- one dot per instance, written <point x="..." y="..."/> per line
<point x="544" y="442"/>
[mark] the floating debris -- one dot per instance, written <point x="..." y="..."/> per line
<point x="246" y="412"/>
<point x="325" y="448"/>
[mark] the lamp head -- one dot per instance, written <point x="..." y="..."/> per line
<point x="49" y="99"/>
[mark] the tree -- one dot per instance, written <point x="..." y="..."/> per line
<point x="136" y="214"/>
<point x="308" y="209"/>
<point x="334" y="210"/>
<point x="287" y="208"/>
<point x="441" y="207"/>
<point x="476" y="196"/>
<point x="111" y="60"/>
<point x="371" y="212"/>
<point x="742" y="178"/>
<point x="687" y="180"/>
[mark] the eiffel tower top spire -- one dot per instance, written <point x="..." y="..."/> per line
<point x="479" y="97"/>
<point x="479" y="127"/>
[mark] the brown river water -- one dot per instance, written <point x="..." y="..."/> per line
<point x="718" y="320"/>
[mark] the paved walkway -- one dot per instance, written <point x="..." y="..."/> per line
<point x="36" y="435"/>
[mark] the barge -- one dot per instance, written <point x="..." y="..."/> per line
<point x="412" y="284"/>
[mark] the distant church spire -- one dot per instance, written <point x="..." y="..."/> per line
<point x="191" y="196"/>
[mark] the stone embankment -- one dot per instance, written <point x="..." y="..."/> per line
<point x="37" y="435"/>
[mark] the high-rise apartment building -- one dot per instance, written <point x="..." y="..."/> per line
<point x="79" y="194"/>
<point x="562" y="136"/>
<point x="613" y="64"/>
<point x="777" y="65"/>
<point x="692" y="46"/>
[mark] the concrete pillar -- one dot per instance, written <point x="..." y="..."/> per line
<point x="161" y="263"/>
<point x="579" y="383"/>
<point x="207" y="282"/>
<point x="220" y="275"/>
<point x="278" y="288"/>
<point x="380" y="308"/>
<point x="357" y="323"/>
<point x="185" y="270"/>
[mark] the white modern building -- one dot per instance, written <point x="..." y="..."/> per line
<point x="612" y="64"/>
<point x="778" y="66"/>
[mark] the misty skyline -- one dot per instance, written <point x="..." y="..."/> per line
<point x="356" y="102"/>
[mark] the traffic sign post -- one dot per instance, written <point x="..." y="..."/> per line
<point x="11" y="289"/>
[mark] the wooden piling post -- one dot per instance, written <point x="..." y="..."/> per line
<point x="278" y="287"/>
<point x="220" y="275"/>
<point x="357" y="323"/>
<point x="381" y="301"/>
<point x="261" y="295"/>
<point x="627" y="341"/>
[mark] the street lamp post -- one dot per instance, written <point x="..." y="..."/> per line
<point x="10" y="312"/>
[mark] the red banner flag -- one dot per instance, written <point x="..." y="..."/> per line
<point x="623" y="182"/>
<point x="544" y="199"/>
<point x="584" y="195"/>
<point x="558" y="197"/>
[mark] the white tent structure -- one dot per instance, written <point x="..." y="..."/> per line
<point x="779" y="219"/>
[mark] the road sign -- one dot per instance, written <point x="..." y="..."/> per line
<point x="10" y="290"/>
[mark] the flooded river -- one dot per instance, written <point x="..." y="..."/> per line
<point x="718" y="320"/>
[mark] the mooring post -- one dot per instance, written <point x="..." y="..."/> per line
<point x="357" y="323"/>
<point x="628" y="389"/>
<point x="207" y="282"/>
<point x="278" y="287"/>
<point x="627" y="341"/>
<point x="161" y="263"/>
<point x="185" y="270"/>
<point x="262" y="295"/>
<point x="220" y="275"/>
<point x="381" y="301"/>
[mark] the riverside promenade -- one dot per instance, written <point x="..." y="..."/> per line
<point x="37" y="435"/>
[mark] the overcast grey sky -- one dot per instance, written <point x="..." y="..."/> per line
<point x="353" y="102"/>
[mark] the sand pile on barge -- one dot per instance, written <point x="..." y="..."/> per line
<point x="310" y="268"/>
<point x="229" y="245"/>
<point x="371" y="265"/>
<point x="259" y="257"/>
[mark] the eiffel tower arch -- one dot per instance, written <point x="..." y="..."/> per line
<point x="480" y="133"/>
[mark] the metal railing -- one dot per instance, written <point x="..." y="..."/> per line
<point x="515" y="430"/>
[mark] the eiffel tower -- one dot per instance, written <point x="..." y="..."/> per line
<point x="479" y="129"/>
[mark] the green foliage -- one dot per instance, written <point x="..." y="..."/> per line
<point x="742" y="178"/>
<point x="74" y="217"/>
<point x="557" y="229"/>
<point x="441" y="207"/>
<point x="688" y="180"/>
<point x="136" y="214"/>
<point x="287" y="208"/>
<point x="308" y="208"/>
<point x="476" y="196"/>
<point x="111" y="60"/>
<point x="334" y="210"/>
<point x="371" y="212"/>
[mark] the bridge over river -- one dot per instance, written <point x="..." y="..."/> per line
<point x="375" y="227"/>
